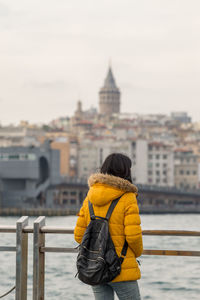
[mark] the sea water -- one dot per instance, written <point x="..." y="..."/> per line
<point x="163" y="277"/>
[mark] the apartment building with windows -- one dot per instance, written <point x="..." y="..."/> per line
<point x="152" y="163"/>
<point x="160" y="164"/>
<point x="186" y="169"/>
<point x="93" y="151"/>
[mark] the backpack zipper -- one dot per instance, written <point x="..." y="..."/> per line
<point x="93" y="259"/>
<point x="91" y="250"/>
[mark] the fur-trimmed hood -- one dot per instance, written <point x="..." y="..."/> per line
<point x="105" y="188"/>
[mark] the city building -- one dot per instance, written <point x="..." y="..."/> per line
<point x="152" y="163"/>
<point x="67" y="144"/>
<point x="93" y="151"/>
<point x="109" y="96"/>
<point x="181" y="117"/>
<point x="160" y="164"/>
<point x="22" y="135"/>
<point x="186" y="166"/>
<point x="26" y="173"/>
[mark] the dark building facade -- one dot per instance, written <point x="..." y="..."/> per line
<point x="26" y="173"/>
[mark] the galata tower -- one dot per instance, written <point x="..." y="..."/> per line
<point x="109" y="96"/>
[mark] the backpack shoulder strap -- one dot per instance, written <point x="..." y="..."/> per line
<point x="109" y="212"/>
<point x="123" y="253"/>
<point x="91" y="210"/>
<point x="112" y="206"/>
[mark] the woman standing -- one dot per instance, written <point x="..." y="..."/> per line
<point x="113" y="181"/>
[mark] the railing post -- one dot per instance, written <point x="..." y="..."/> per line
<point x="38" y="259"/>
<point x="21" y="259"/>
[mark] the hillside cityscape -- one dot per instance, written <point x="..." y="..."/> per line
<point x="36" y="161"/>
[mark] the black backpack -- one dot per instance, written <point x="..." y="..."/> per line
<point x="97" y="260"/>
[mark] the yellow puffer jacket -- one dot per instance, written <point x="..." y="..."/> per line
<point x="124" y="222"/>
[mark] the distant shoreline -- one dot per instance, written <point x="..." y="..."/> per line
<point x="66" y="212"/>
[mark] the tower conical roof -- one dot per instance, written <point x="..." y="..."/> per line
<point x="110" y="80"/>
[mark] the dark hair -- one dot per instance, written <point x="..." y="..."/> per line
<point x="119" y="165"/>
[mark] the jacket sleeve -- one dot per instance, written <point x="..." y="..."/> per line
<point x="132" y="228"/>
<point x="81" y="223"/>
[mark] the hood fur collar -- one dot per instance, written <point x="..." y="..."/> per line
<point x="114" y="181"/>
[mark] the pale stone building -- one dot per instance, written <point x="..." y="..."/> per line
<point x="92" y="153"/>
<point x="152" y="163"/>
<point x="160" y="164"/>
<point x="186" y="169"/>
<point x="109" y="96"/>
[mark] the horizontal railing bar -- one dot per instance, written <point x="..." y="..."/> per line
<point x="171" y="252"/>
<point x="7" y="248"/>
<point x="58" y="230"/>
<point x="8" y="228"/>
<point x="171" y="232"/>
<point x="28" y="229"/>
<point x="64" y="230"/>
<point x="58" y="249"/>
<point x="145" y="252"/>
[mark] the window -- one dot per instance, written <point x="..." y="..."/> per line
<point x="150" y="156"/>
<point x="150" y="165"/>
<point x="150" y="172"/>
<point x="73" y="201"/>
<point x="73" y="193"/>
<point x="164" y="172"/>
<point x="157" y="156"/>
<point x="194" y="173"/>
<point x="157" y="180"/>
<point x="157" y="172"/>
<point x="164" y="156"/>
<point x="188" y="172"/>
<point x="157" y="165"/>
<point x="65" y="193"/>
<point x="65" y="201"/>
<point x="19" y="156"/>
<point x="14" y="156"/>
<point x="181" y="172"/>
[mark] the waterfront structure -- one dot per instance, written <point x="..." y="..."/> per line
<point x="26" y="173"/>
<point x="109" y="96"/>
<point x="66" y="198"/>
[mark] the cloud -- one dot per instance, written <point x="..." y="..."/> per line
<point x="4" y="10"/>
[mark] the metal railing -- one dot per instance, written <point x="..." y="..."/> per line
<point x="39" y="229"/>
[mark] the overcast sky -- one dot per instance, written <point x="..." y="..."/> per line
<point x="54" y="52"/>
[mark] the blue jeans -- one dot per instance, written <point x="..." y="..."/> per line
<point x="125" y="290"/>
